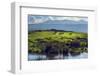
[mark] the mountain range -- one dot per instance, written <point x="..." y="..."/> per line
<point x="67" y="25"/>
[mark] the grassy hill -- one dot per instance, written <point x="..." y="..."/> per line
<point x="52" y="42"/>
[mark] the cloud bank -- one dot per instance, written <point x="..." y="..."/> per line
<point x="36" y="19"/>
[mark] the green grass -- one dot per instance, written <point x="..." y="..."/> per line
<point x="58" y="35"/>
<point x="54" y="37"/>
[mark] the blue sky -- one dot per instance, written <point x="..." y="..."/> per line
<point x="36" y="19"/>
<point x="40" y="22"/>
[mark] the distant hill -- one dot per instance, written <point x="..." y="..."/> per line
<point x="55" y="30"/>
<point x="67" y="25"/>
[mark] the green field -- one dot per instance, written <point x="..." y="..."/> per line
<point x="51" y="42"/>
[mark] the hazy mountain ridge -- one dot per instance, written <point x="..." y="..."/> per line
<point x="80" y="25"/>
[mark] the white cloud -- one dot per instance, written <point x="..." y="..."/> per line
<point x="51" y="18"/>
<point x="37" y="20"/>
<point x="42" y="19"/>
<point x="67" y="18"/>
<point x="56" y="18"/>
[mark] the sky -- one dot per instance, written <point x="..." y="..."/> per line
<point x="36" y="19"/>
<point x="40" y="22"/>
